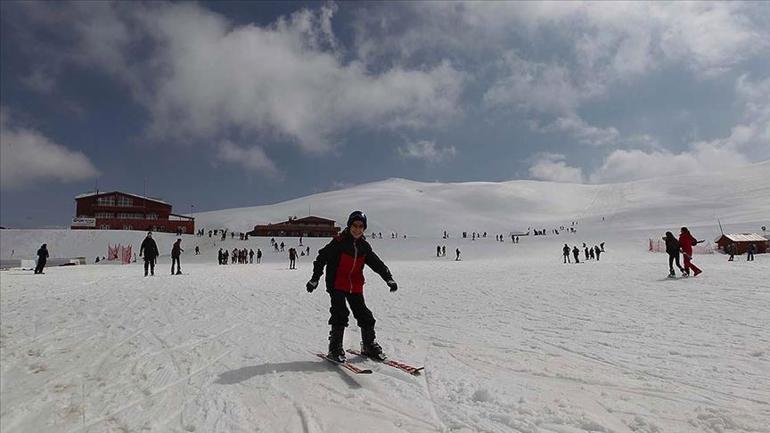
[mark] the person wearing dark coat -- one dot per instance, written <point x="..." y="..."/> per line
<point x="749" y="253"/>
<point x="576" y="253"/>
<point x="731" y="251"/>
<point x="42" y="257"/>
<point x="672" y="248"/>
<point x="149" y="250"/>
<point x="598" y="251"/>
<point x="344" y="259"/>
<point x="292" y="258"/>
<point x="176" y="252"/>
<point x="259" y="255"/>
<point x="565" y="252"/>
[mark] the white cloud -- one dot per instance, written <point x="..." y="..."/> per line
<point x="628" y="165"/>
<point x="206" y="79"/>
<point x="252" y="158"/>
<point x="552" y="167"/>
<point x="427" y="151"/>
<point x="27" y="156"/>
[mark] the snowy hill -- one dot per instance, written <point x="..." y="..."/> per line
<point x="426" y="209"/>
<point x="512" y="339"/>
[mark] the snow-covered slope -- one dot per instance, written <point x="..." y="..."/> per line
<point x="426" y="209"/>
<point x="512" y="340"/>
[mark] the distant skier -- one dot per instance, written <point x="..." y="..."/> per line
<point x="598" y="251"/>
<point x="251" y="256"/>
<point x="42" y="257"/>
<point x="749" y="253"/>
<point x="344" y="258"/>
<point x="592" y="253"/>
<point x="686" y="242"/>
<point x="601" y="246"/>
<point x="585" y="250"/>
<point x="438" y="250"/>
<point x="259" y="256"/>
<point x="443" y="251"/>
<point x="730" y="249"/>
<point x="176" y="252"/>
<point x="220" y="257"/>
<point x="149" y="250"/>
<point x="565" y="252"/>
<point x="292" y="258"/>
<point x="457" y="252"/>
<point x="672" y="248"/>
<point x="197" y="250"/>
<point x="576" y="254"/>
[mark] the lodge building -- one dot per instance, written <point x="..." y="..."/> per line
<point x="309" y="226"/>
<point x="118" y="210"/>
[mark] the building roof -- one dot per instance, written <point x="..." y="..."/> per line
<point x="94" y="193"/>
<point x="744" y="237"/>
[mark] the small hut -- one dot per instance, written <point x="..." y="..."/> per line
<point x="742" y="242"/>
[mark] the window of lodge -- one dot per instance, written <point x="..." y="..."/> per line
<point x="124" y="201"/>
<point x="105" y="201"/>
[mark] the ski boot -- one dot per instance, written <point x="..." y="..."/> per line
<point x="370" y="347"/>
<point x="671" y="274"/>
<point x="336" y="351"/>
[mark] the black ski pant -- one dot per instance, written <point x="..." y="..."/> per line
<point x="339" y="309"/>
<point x="149" y="262"/>
<point x="566" y="258"/>
<point x="749" y="257"/>
<point x="292" y="263"/>
<point x="40" y="265"/>
<point x="671" y="259"/>
<point x="178" y="265"/>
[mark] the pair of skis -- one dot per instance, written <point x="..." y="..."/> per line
<point x="414" y="371"/>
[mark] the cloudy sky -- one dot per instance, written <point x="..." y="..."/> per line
<point x="220" y="104"/>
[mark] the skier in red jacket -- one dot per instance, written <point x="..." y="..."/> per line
<point x="344" y="259"/>
<point x="686" y="242"/>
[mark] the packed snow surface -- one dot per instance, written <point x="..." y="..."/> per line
<point x="512" y="339"/>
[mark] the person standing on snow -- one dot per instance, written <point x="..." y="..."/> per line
<point x="149" y="250"/>
<point x="344" y="259"/>
<point x="176" y="252"/>
<point x="565" y="252"/>
<point x="576" y="254"/>
<point x="686" y="242"/>
<point x="42" y="257"/>
<point x="259" y="256"/>
<point x="292" y="258"/>
<point x="730" y="250"/>
<point x="749" y="253"/>
<point x="672" y="248"/>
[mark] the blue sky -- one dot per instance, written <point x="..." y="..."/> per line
<point x="230" y="104"/>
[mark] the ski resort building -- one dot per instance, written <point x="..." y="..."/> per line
<point x="118" y="210"/>
<point x="309" y="226"/>
<point x="742" y="242"/>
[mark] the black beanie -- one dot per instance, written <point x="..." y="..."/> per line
<point x="357" y="216"/>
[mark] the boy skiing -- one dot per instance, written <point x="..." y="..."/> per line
<point x="344" y="258"/>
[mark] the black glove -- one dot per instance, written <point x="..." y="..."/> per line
<point x="392" y="284"/>
<point x="311" y="285"/>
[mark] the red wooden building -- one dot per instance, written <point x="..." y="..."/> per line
<point x="310" y="226"/>
<point x="742" y="242"/>
<point x="124" y="211"/>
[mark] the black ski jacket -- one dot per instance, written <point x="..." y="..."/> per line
<point x="344" y="258"/>
<point x="149" y="248"/>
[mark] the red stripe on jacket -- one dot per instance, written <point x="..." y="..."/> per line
<point x="350" y="274"/>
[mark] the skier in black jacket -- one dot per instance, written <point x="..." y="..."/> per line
<point x="344" y="259"/>
<point x="42" y="257"/>
<point x="672" y="248"/>
<point x="149" y="250"/>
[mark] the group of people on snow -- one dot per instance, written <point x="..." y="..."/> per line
<point x="590" y="253"/>
<point x="683" y="244"/>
